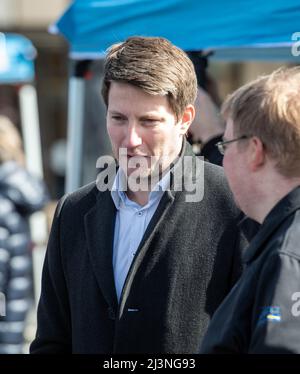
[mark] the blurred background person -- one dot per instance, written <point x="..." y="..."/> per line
<point x="20" y="195"/>
<point x="207" y="128"/>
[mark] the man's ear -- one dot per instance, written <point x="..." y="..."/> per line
<point x="187" y="118"/>
<point x="257" y="153"/>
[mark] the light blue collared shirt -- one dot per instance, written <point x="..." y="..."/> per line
<point x="132" y="220"/>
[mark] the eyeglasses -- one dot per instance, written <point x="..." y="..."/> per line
<point x="223" y="145"/>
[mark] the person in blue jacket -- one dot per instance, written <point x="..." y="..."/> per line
<point x="261" y="148"/>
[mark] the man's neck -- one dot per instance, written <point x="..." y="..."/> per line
<point x="160" y="182"/>
<point x="147" y="186"/>
<point x="139" y="197"/>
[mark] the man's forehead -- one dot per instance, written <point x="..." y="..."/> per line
<point x="139" y="104"/>
<point x="127" y="90"/>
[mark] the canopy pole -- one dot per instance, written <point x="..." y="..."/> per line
<point x="31" y="129"/>
<point x="75" y="125"/>
<point x="34" y="164"/>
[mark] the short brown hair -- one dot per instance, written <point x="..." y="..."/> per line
<point x="269" y="108"/>
<point x="156" y="66"/>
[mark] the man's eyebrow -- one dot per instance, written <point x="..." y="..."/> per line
<point x="146" y="116"/>
<point x="115" y="112"/>
<point x="157" y="117"/>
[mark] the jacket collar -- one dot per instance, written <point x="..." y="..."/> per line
<point x="280" y="212"/>
<point x="187" y="171"/>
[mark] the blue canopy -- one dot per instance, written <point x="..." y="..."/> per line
<point x="91" y="26"/>
<point x="16" y="59"/>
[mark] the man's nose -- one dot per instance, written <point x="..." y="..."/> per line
<point x="133" y="137"/>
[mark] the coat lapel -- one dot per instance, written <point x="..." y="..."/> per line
<point x="99" y="229"/>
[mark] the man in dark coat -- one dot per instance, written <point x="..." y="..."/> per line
<point x="261" y="150"/>
<point x="140" y="266"/>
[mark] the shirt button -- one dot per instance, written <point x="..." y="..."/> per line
<point x="140" y="214"/>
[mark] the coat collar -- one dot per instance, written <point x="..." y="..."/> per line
<point x="280" y="212"/>
<point x="187" y="171"/>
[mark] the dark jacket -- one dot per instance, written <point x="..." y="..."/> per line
<point x="20" y="195"/>
<point x="262" y="312"/>
<point x="210" y="151"/>
<point x="187" y="261"/>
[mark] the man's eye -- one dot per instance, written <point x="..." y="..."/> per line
<point x="117" y="118"/>
<point x="151" y="122"/>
